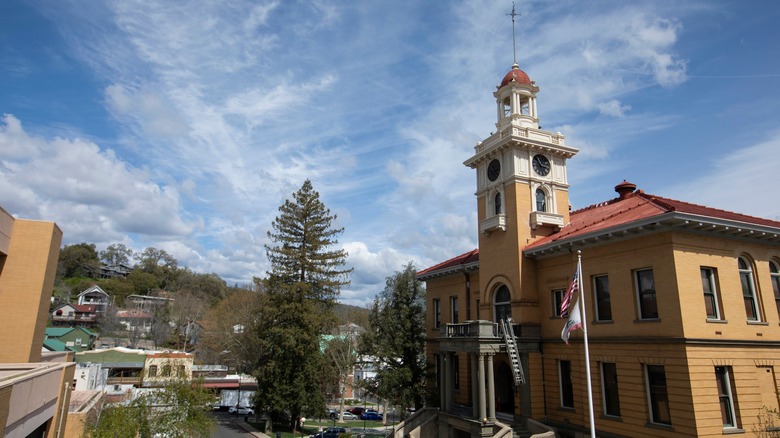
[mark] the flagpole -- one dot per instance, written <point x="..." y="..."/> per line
<point x="585" y="338"/>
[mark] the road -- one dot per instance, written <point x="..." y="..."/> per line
<point x="226" y="427"/>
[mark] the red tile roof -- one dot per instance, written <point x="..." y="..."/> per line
<point x="455" y="262"/>
<point x="634" y="207"/>
<point x="631" y="206"/>
<point x="84" y="308"/>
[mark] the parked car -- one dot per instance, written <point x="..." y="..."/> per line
<point x="346" y="415"/>
<point x="356" y="410"/>
<point x="371" y="415"/>
<point x="331" y="432"/>
<point x="241" y="410"/>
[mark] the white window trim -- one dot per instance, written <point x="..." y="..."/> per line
<point x="752" y="286"/>
<point x="595" y="298"/>
<point x="638" y="295"/>
<point x="730" y="395"/>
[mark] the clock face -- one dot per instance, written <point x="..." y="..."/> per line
<point x="541" y="165"/>
<point x="493" y="170"/>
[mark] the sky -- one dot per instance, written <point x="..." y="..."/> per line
<point x="185" y="125"/>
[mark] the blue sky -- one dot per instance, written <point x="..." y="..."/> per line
<point x="184" y="125"/>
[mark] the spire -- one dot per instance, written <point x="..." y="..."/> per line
<point x="514" y="39"/>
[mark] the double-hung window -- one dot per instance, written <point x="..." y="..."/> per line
<point x="774" y="273"/>
<point x="710" y="293"/>
<point x="748" y="290"/>
<point x="657" y="395"/>
<point x="436" y="313"/>
<point x="726" y="396"/>
<point x="603" y="304"/>
<point x="557" y="297"/>
<point x="609" y="389"/>
<point x="567" y="389"/>
<point x="454" y="309"/>
<point x="646" y="298"/>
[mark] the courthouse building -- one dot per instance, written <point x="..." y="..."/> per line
<point x="682" y="302"/>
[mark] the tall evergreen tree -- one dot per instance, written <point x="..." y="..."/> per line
<point x="305" y="279"/>
<point x="397" y="340"/>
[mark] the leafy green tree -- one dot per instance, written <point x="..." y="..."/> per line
<point x="397" y="340"/>
<point x="78" y="260"/>
<point x="116" y="254"/>
<point x="305" y="279"/>
<point x="160" y="264"/>
<point x="178" y="410"/>
<point x="143" y="282"/>
<point x="209" y="287"/>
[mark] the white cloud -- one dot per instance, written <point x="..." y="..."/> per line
<point x="740" y="181"/>
<point x="87" y="190"/>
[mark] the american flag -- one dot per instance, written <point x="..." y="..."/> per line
<point x="574" y="286"/>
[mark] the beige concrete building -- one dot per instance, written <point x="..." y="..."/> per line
<point x="34" y="387"/>
<point x="682" y="303"/>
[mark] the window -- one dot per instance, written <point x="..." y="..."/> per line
<point x="748" y="289"/>
<point x="609" y="389"/>
<point x="455" y="372"/>
<point x="710" y="294"/>
<point x="645" y="286"/>
<point x="497" y="203"/>
<point x="502" y="303"/>
<point x="774" y="272"/>
<point x="166" y="371"/>
<point x="541" y="200"/>
<point x="436" y="313"/>
<point x="657" y="395"/>
<point x="557" y="297"/>
<point x="454" y="309"/>
<point x="603" y="304"/>
<point x="726" y="396"/>
<point x="567" y="390"/>
<point x="477" y="309"/>
<point x="152" y="370"/>
<point x="181" y="371"/>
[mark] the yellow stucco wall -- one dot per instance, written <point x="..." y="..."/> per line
<point x="26" y="282"/>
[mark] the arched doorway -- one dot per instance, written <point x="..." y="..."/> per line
<point x="504" y="385"/>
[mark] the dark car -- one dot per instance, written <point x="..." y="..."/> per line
<point x="371" y="416"/>
<point x="331" y="432"/>
<point x="356" y="410"/>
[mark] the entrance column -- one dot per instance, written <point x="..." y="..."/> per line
<point x="474" y="385"/>
<point x="442" y="379"/>
<point x="491" y="384"/>
<point x="481" y="376"/>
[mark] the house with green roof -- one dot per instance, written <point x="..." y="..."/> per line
<point x="69" y="339"/>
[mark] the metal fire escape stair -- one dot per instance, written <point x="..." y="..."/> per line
<point x="511" y="350"/>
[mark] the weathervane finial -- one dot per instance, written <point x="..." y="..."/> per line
<point x="514" y="40"/>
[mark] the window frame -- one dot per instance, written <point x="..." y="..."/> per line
<point x="497" y="203"/>
<point x="774" y="276"/>
<point x="747" y="282"/>
<point x="436" y="313"/>
<point x="712" y="295"/>
<point x="507" y="305"/>
<point x="565" y="384"/>
<point x="454" y="309"/>
<point x="152" y="371"/>
<point x="640" y="294"/>
<point x="726" y="395"/>
<point x="540" y="191"/>
<point x="654" y="390"/>
<point x="455" y="372"/>
<point x="557" y="297"/>
<point x="598" y="299"/>
<point x="609" y="390"/>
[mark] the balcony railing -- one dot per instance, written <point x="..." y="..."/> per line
<point x="487" y="329"/>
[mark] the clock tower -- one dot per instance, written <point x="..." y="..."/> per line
<point x="522" y="194"/>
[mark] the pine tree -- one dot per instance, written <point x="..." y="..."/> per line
<point x="305" y="279"/>
<point x="397" y="340"/>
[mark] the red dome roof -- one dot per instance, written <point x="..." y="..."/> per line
<point x="516" y="75"/>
